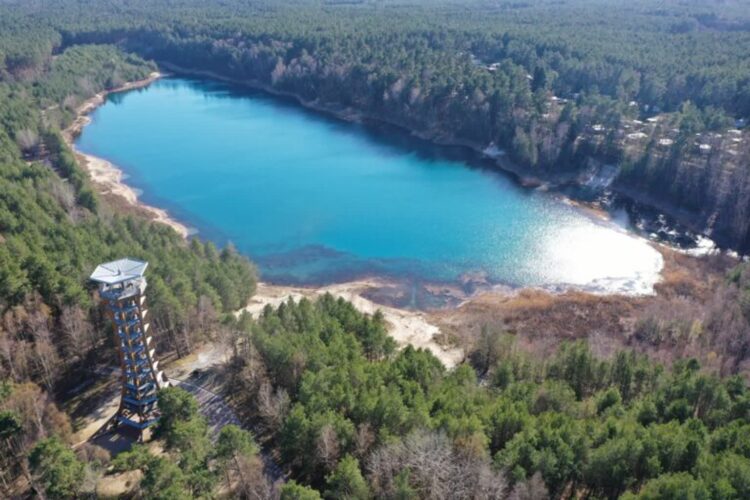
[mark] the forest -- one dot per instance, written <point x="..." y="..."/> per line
<point x="54" y="229"/>
<point x="329" y="397"/>
<point x="349" y="417"/>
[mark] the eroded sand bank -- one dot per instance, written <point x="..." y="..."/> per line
<point x="107" y="177"/>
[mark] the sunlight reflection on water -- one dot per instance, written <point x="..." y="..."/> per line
<point x="316" y="200"/>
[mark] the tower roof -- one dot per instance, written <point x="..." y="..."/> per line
<point x="118" y="271"/>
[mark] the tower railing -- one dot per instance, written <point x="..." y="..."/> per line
<point x="122" y="286"/>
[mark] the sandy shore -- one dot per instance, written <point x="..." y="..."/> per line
<point x="407" y="327"/>
<point x="106" y="176"/>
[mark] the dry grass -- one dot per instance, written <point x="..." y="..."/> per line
<point x="536" y="314"/>
<point x="693" y="277"/>
<point x="541" y="320"/>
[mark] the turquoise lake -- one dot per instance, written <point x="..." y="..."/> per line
<point x="315" y="200"/>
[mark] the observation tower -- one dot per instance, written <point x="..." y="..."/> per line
<point x="122" y="286"/>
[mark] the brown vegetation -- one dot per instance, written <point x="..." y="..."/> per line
<point x="38" y="417"/>
<point x="437" y="468"/>
<point x="695" y="312"/>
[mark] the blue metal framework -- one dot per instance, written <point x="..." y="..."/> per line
<point x="122" y="285"/>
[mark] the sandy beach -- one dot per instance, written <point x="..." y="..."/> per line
<point x="106" y="176"/>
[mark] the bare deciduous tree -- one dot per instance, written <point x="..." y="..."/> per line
<point x="272" y="406"/>
<point x="531" y="489"/>
<point x="64" y="193"/>
<point x="78" y="334"/>
<point x="206" y="316"/>
<point x="86" y="87"/>
<point x="70" y="102"/>
<point x="727" y="326"/>
<point x="7" y="367"/>
<point x="489" y="348"/>
<point x="27" y="139"/>
<point x="327" y="447"/>
<point x="435" y="469"/>
<point x="46" y="357"/>
<point x="253" y="483"/>
<point x="363" y="440"/>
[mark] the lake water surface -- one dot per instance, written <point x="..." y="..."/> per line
<point x="315" y="200"/>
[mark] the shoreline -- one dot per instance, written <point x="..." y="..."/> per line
<point x="111" y="179"/>
<point x="500" y="162"/>
<point x="107" y="176"/>
<point x="553" y="183"/>
<point x="437" y="329"/>
<point x="421" y="328"/>
<point x="350" y="115"/>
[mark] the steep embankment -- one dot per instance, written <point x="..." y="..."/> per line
<point x="104" y="174"/>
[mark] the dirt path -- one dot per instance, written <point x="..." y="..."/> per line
<point x="405" y="326"/>
<point x="217" y="413"/>
<point x="210" y="404"/>
<point x="97" y="418"/>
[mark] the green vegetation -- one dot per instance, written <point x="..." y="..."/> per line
<point x="293" y="491"/>
<point x="346" y="423"/>
<point x="352" y="424"/>
<point x="54" y="233"/>
<point x="193" y="466"/>
<point x="59" y="471"/>
<point x="54" y="230"/>
<point x="346" y="481"/>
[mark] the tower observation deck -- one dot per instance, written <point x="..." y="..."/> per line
<point x="123" y="286"/>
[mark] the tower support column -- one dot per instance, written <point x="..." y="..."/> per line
<point x="122" y="286"/>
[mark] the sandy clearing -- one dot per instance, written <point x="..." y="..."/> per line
<point x="407" y="327"/>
